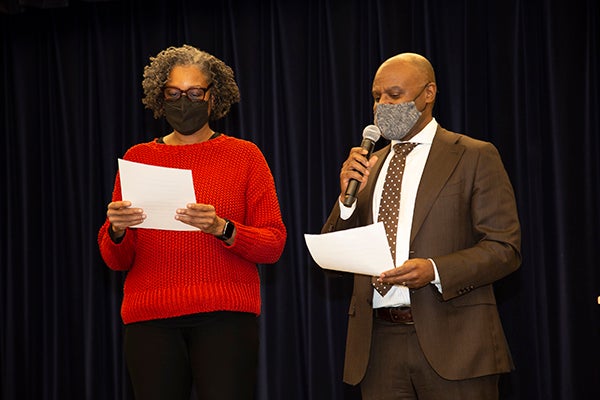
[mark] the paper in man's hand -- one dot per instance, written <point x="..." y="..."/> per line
<point x="362" y="250"/>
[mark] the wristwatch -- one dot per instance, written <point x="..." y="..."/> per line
<point x="227" y="231"/>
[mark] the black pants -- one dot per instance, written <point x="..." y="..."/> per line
<point x="218" y="352"/>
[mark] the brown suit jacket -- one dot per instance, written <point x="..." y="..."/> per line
<point x="465" y="219"/>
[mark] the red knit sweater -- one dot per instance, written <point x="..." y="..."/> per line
<point x="173" y="273"/>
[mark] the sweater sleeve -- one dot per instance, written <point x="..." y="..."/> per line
<point x="117" y="256"/>
<point x="261" y="238"/>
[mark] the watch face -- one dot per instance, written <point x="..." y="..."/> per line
<point x="227" y="230"/>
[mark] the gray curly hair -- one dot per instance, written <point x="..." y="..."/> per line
<point x="224" y="89"/>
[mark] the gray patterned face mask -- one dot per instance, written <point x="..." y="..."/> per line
<point x="396" y="120"/>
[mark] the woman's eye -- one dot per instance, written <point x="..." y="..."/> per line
<point x="194" y="94"/>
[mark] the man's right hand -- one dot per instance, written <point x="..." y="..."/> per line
<point x="356" y="166"/>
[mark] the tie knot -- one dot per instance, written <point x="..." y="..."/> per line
<point x="404" y="147"/>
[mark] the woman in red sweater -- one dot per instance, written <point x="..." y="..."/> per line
<point x="191" y="297"/>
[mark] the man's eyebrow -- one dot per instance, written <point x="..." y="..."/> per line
<point x="394" y="88"/>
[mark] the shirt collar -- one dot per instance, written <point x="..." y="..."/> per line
<point x="425" y="136"/>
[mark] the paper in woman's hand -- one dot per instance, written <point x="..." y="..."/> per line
<point x="159" y="191"/>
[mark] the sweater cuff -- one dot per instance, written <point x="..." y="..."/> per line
<point x="112" y="235"/>
<point x="256" y="245"/>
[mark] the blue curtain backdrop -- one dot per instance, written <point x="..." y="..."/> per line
<point x="522" y="74"/>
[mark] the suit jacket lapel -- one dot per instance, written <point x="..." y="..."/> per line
<point x="443" y="157"/>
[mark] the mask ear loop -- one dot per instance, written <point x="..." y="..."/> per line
<point x="420" y="93"/>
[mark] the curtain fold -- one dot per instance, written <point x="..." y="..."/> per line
<point x="523" y="75"/>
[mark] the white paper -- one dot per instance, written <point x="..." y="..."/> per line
<point x="159" y="191"/>
<point x="362" y="250"/>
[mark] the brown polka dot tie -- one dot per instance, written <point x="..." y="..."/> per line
<point x="390" y="203"/>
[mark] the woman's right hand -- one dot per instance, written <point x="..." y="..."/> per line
<point x="121" y="216"/>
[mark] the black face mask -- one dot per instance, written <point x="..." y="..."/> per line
<point x="186" y="116"/>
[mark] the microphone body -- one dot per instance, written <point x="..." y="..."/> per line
<point x="371" y="134"/>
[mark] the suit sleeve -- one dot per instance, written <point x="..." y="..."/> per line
<point x="494" y="229"/>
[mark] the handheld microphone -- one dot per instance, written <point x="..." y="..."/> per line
<point x="371" y="134"/>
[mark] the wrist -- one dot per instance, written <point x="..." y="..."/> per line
<point x="227" y="232"/>
<point x="116" y="234"/>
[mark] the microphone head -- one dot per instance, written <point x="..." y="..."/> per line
<point x="371" y="132"/>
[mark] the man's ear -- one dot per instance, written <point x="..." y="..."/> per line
<point x="430" y="92"/>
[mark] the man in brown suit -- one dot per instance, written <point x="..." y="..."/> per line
<point x="437" y="333"/>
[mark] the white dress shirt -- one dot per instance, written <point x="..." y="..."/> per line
<point x="415" y="163"/>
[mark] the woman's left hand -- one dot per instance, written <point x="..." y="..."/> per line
<point x="201" y="216"/>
